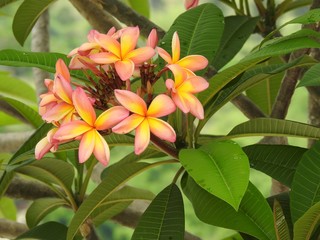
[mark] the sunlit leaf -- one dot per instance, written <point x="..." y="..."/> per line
<point x="142" y="7"/>
<point x="164" y="218"/>
<point x="8" y="209"/>
<point x="221" y="168"/>
<point x="311" y="77"/>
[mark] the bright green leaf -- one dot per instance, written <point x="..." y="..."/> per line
<point x="306" y="183"/>
<point x="311" y="77"/>
<point x="307" y="223"/>
<point x="8" y="209"/>
<point x="6" y="2"/>
<point x="277" y="161"/>
<point x="221" y="168"/>
<point x="40" y="208"/>
<point x="26" y="16"/>
<point x="281" y="227"/>
<point x="142" y="7"/>
<point x="164" y="218"/>
<point x="253" y="217"/>
<point x="128" y="193"/>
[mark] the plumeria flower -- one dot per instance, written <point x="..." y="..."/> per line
<point x="46" y="144"/>
<point x="152" y="40"/>
<point x="190" y="3"/>
<point x="87" y="129"/>
<point x="191" y="63"/>
<point x="123" y="54"/>
<point x="145" y="120"/>
<point x="183" y="89"/>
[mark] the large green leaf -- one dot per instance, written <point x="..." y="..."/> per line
<point x="199" y="29"/>
<point x="128" y="193"/>
<point x="311" y="77"/>
<point x="48" y="231"/>
<point x="254" y="216"/>
<point x="26" y="16"/>
<point x="274" y="127"/>
<point x="307" y="223"/>
<point x="27" y="112"/>
<point x="8" y="209"/>
<point x="15" y="88"/>
<point x="43" y="60"/>
<point x="221" y="168"/>
<point x="281" y="227"/>
<point x="164" y="218"/>
<point x="277" y="161"/>
<point x="40" y="208"/>
<point x="305" y="190"/>
<point x="109" y="184"/>
<point x="236" y="32"/>
<point x="142" y="7"/>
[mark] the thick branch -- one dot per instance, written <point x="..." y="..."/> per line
<point x="10" y="142"/>
<point x="10" y="229"/>
<point x="129" y="17"/>
<point x="247" y="107"/>
<point x="98" y="18"/>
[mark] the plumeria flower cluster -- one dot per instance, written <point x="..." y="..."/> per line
<point x="113" y="60"/>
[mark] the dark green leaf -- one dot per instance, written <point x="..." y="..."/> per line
<point x="26" y="16"/>
<point x="311" y="77"/>
<point x="221" y="168"/>
<point x="164" y="218"/>
<point x="254" y="216"/>
<point x="47" y="231"/>
<point x="236" y="32"/>
<point x="43" y="60"/>
<point x="277" y="161"/>
<point x="128" y="193"/>
<point x="305" y="190"/>
<point x="40" y="208"/>
<point x="281" y="227"/>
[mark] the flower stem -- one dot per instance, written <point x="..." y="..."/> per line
<point x="168" y="149"/>
<point x="179" y="172"/>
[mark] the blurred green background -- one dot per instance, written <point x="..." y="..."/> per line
<point x="68" y="30"/>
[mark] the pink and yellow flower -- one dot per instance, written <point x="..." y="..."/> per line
<point x="145" y="120"/>
<point x="87" y="129"/>
<point x="190" y="63"/>
<point x="183" y="89"/>
<point x="190" y="3"/>
<point x="46" y="144"/>
<point x="123" y="55"/>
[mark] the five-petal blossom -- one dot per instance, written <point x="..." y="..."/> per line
<point x="87" y="129"/>
<point x="145" y="120"/>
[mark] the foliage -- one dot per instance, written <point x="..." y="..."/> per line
<point x="169" y="94"/>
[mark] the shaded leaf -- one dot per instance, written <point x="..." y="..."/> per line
<point x="254" y="216"/>
<point x="277" y="161"/>
<point x="128" y="193"/>
<point x="164" y="218"/>
<point x="305" y="190"/>
<point x="311" y="77"/>
<point x="281" y="227"/>
<point x="26" y="16"/>
<point x="6" y="2"/>
<point x="220" y="167"/>
<point x="40" y="208"/>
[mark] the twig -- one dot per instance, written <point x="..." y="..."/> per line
<point x="10" y="229"/>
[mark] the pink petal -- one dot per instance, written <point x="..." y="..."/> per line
<point x="170" y="85"/>
<point x="111" y="31"/>
<point x="190" y="3"/>
<point x="58" y="112"/>
<point x="131" y="101"/>
<point x="85" y="48"/>
<point x="110" y="44"/>
<point x="61" y="68"/>
<point x="47" y="98"/>
<point x="193" y="62"/>
<point x="104" y="58"/>
<point x="101" y="150"/>
<point x="195" y="106"/>
<point x="142" y="137"/>
<point x="83" y="106"/>
<point x="42" y="147"/>
<point x="77" y="62"/>
<point x="71" y="130"/>
<point x="175" y="47"/>
<point x="73" y="52"/>
<point x="162" y="129"/>
<point x="180" y="74"/>
<point x="162" y="105"/>
<point x="124" y="68"/>
<point x="164" y="54"/>
<point x="180" y="102"/>
<point x="111" y="117"/>
<point x="128" y="124"/>
<point x="152" y="40"/>
<point x="63" y="89"/>
<point x="129" y="40"/>
<point x="194" y="85"/>
<point x="141" y="55"/>
<point x="86" y="145"/>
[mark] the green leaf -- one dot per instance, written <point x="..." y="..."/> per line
<point x="109" y="184"/>
<point x="128" y="193"/>
<point x="306" y="183"/>
<point x="236" y="32"/>
<point x="50" y="171"/>
<point x="164" y="218"/>
<point x="142" y="7"/>
<point x="43" y="60"/>
<point x="48" y="231"/>
<point x="26" y="16"/>
<point x="6" y="2"/>
<point x="277" y="161"/>
<point x="311" y="77"/>
<point x="253" y="217"/>
<point x="16" y="88"/>
<point x="40" y="208"/>
<point x="307" y="223"/>
<point x="8" y="209"/>
<point x="274" y="127"/>
<point x="221" y="168"/>
<point x="27" y="112"/>
<point x="281" y="227"/>
<point x="199" y="29"/>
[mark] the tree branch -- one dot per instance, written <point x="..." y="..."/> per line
<point x="10" y="229"/>
<point x="10" y="142"/>
<point x="8" y="109"/>
<point x="247" y="107"/>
